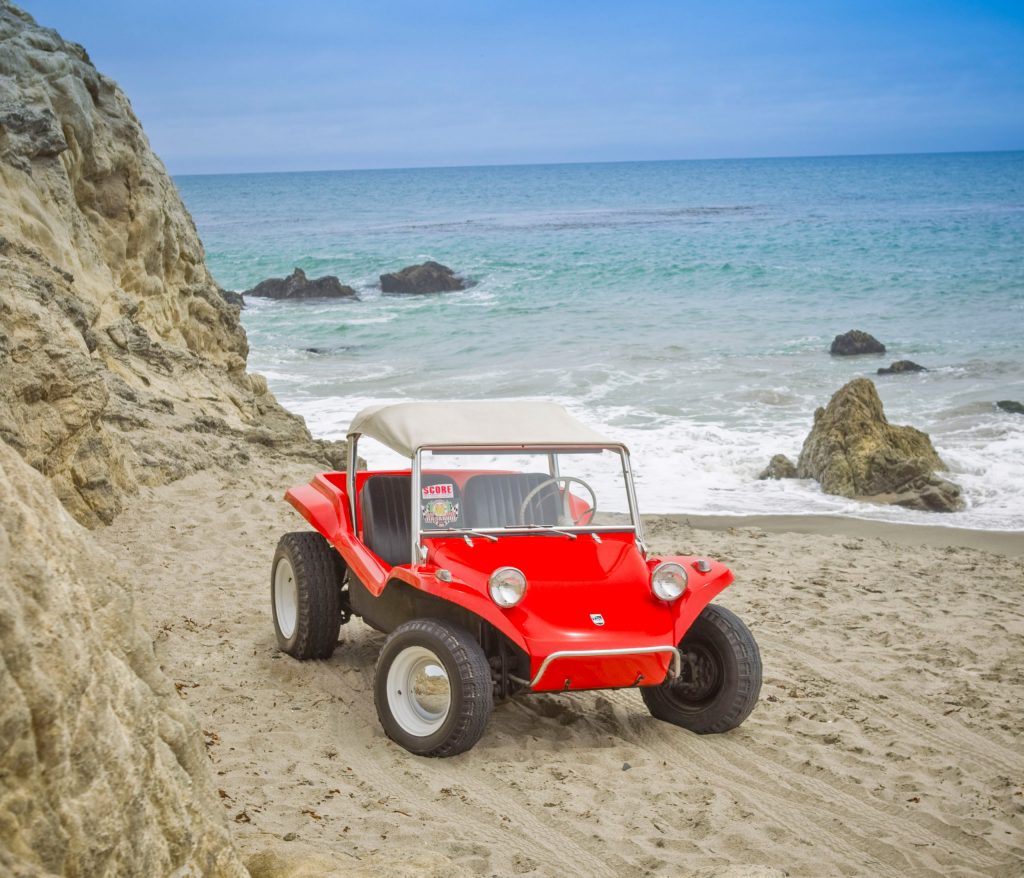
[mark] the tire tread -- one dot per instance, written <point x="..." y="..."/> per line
<point x="719" y="717"/>
<point x="318" y="574"/>
<point x="474" y="673"/>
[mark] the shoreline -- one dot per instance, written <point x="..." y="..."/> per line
<point x="999" y="542"/>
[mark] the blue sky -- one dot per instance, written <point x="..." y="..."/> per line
<point x="312" y="84"/>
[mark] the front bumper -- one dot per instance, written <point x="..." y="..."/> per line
<point x="606" y="668"/>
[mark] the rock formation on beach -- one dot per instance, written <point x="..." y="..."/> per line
<point x="430" y="277"/>
<point x="298" y="286"/>
<point x="1009" y="405"/>
<point x="855" y="342"/>
<point x="901" y="367"/>
<point x="854" y="451"/>
<point x="121" y="362"/>
<point x="779" y="467"/>
<point x="103" y="769"/>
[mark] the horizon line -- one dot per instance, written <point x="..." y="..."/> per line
<point x="598" y="162"/>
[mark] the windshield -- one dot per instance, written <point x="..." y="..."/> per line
<point x="576" y="490"/>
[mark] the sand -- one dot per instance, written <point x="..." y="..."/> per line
<point x="887" y="742"/>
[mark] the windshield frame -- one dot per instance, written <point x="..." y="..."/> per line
<point x="634" y="527"/>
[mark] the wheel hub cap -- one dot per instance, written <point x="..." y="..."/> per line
<point x="419" y="691"/>
<point x="699" y="675"/>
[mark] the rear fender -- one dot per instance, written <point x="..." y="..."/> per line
<point x="462" y="595"/>
<point x="322" y="505"/>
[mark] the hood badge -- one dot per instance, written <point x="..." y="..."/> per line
<point x="597" y="619"/>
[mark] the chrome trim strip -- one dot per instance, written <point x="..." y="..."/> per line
<point x="350" y="481"/>
<point x="414" y="549"/>
<point x="565" y="448"/>
<point x="634" y="509"/>
<point x="487" y="532"/>
<point x="593" y="653"/>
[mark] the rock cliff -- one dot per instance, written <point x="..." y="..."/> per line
<point x="103" y="770"/>
<point x="121" y="363"/>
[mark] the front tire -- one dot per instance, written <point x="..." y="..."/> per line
<point x="720" y="677"/>
<point x="432" y="688"/>
<point x="305" y="595"/>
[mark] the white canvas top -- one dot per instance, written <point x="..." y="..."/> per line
<point x="407" y="426"/>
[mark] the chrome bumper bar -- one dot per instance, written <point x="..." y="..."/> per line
<point x="594" y="653"/>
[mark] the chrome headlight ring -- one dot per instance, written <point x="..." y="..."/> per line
<point x="668" y="581"/>
<point x="507" y="586"/>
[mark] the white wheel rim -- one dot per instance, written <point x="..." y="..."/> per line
<point x="286" y="598"/>
<point x="419" y="691"/>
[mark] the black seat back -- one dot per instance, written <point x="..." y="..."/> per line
<point x="385" y="505"/>
<point x="387" y="531"/>
<point x="496" y="500"/>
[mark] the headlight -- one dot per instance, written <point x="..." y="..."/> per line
<point x="668" y="581"/>
<point x="507" y="586"/>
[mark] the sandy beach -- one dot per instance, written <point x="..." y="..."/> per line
<point x="887" y="740"/>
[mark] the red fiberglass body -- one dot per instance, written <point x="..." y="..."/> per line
<point x="587" y="592"/>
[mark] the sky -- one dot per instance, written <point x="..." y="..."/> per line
<point x="228" y="86"/>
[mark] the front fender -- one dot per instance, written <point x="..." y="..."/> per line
<point x="701" y="589"/>
<point x="423" y="579"/>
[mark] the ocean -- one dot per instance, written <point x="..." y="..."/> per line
<point x="685" y="307"/>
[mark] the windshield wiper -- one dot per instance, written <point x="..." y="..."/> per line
<point x="469" y="533"/>
<point x="548" y="529"/>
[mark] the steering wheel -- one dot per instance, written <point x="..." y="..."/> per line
<point x="566" y="513"/>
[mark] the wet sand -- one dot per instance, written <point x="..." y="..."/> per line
<point x="1009" y="543"/>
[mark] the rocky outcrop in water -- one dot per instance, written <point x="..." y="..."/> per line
<point x="298" y="286"/>
<point x="232" y="298"/>
<point x="1009" y="405"/>
<point x="854" y="451"/>
<point x="779" y="467"/>
<point x="103" y="770"/>
<point x="855" y="342"/>
<point x="430" y="277"/>
<point x="121" y="363"/>
<point x="901" y="367"/>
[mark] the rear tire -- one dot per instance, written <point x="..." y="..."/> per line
<point x="305" y="595"/>
<point x="720" y="677"/>
<point x="432" y="688"/>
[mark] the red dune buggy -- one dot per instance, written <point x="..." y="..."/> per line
<point x="508" y="558"/>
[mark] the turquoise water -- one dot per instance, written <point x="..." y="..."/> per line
<point x="685" y="306"/>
